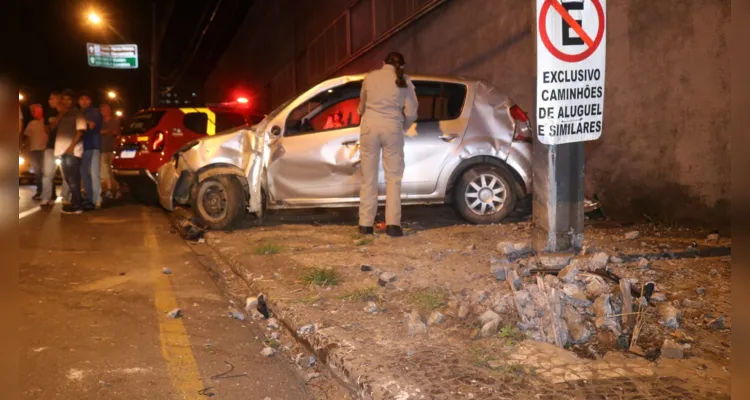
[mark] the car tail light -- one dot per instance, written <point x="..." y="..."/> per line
<point x="522" y="131"/>
<point x="158" y="144"/>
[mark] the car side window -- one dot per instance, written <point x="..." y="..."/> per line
<point x="228" y="120"/>
<point x="335" y="108"/>
<point x="439" y="101"/>
<point x="196" y="122"/>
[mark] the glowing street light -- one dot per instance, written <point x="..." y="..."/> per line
<point x="94" y="18"/>
<point x="118" y="113"/>
<point x="111" y="94"/>
<point x="20" y="96"/>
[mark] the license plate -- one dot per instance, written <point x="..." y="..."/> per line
<point x="127" y="154"/>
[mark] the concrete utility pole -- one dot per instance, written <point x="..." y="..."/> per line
<point x="558" y="176"/>
<point x="154" y="59"/>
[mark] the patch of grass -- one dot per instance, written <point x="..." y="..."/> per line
<point x="427" y="300"/>
<point x="267" y="249"/>
<point x="362" y="294"/>
<point x="321" y="277"/>
<point x="364" y="242"/>
<point x="272" y="343"/>
<point x="309" y="300"/>
<point x="511" y="334"/>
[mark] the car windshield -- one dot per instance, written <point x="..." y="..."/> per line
<point x="142" y="122"/>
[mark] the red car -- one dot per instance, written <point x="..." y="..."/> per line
<point x="152" y="136"/>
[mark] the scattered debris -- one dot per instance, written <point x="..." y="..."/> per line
<point x="166" y="271"/>
<point x="658" y="297"/>
<point x="555" y="260"/>
<point x="311" y="376"/>
<point x="416" y="326"/>
<point x="628" y="318"/>
<point x="435" y="318"/>
<point x="700" y="290"/>
<point x="276" y="335"/>
<point x="669" y="316"/>
<point x="714" y="272"/>
<point x="304" y="361"/>
<point x="463" y="311"/>
<point x="689" y="303"/>
<point x="268" y="352"/>
<point x="499" y="267"/>
<point x="490" y="323"/>
<point x="371" y="308"/>
<point x="599" y="260"/>
<point x="568" y="274"/>
<point x="365" y="268"/>
<point x="713" y="237"/>
<point x="471" y="247"/>
<point x="644" y="263"/>
<point x="176" y="313"/>
<point x="307" y="329"/>
<point x="273" y="324"/>
<point x="234" y="313"/>
<point x="717" y="324"/>
<point x="616" y="260"/>
<point x="578" y="332"/>
<point x="514" y="250"/>
<point x="632" y="235"/>
<point x="671" y="349"/>
<point x="386" y="278"/>
<point x="262" y="306"/>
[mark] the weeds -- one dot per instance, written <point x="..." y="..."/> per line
<point x="267" y="249"/>
<point x="364" y="242"/>
<point x="427" y="300"/>
<point x="321" y="277"/>
<point x="512" y="335"/>
<point x="362" y="294"/>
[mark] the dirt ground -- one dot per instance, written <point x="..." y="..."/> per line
<point x="316" y="270"/>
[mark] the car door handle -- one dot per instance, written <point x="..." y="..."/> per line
<point x="350" y="143"/>
<point x="448" y="137"/>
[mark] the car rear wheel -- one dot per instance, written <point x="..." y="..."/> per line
<point x="484" y="195"/>
<point x="218" y="202"/>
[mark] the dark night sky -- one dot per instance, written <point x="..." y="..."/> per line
<point x="57" y="31"/>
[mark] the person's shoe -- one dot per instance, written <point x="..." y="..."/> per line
<point x="394" y="231"/>
<point x="88" y="207"/>
<point x="46" y="204"/>
<point x="71" y="210"/>
<point x="37" y="196"/>
<point x="366" y="230"/>
<point x="98" y="205"/>
<point x="66" y="202"/>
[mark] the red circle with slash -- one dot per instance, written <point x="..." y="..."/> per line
<point x="592" y="45"/>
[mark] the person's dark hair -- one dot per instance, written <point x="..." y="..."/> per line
<point x="85" y="93"/>
<point x="396" y="59"/>
<point x="68" y="92"/>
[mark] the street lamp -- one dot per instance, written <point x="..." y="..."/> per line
<point x="118" y="113"/>
<point x="20" y="96"/>
<point x="94" y="18"/>
<point x="111" y="94"/>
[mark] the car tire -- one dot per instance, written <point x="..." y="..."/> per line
<point x="145" y="194"/>
<point x="218" y="202"/>
<point x="477" y="193"/>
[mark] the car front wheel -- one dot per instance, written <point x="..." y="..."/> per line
<point x="484" y="195"/>
<point x="218" y="202"/>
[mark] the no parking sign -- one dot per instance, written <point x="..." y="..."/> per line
<point x="571" y="51"/>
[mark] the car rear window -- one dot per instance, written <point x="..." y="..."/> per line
<point x="439" y="101"/>
<point x="142" y="122"/>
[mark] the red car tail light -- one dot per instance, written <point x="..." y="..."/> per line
<point x="522" y="132"/>
<point x="158" y="144"/>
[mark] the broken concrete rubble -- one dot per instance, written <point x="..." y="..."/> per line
<point x="435" y="318"/>
<point x="463" y="311"/>
<point x="416" y="326"/>
<point x="568" y="274"/>
<point x="644" y="263"/>
<point x="490" y="322"/>
<point x="578" y="332"/>
<point x="555" y="260"/>
<point x="268" y="352"/>
<point x="514" y="249"/>
<point x="371" y="308"/>
<point x="658" y="297"/>
<point x="596" y="286"/>
<point x="669" y="316"/>
<point x="386" y="278"/>
<point x="598" y="261"/>
<point x="672" y="349"/>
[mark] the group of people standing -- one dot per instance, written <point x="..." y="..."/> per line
<point x="83" y="138"/>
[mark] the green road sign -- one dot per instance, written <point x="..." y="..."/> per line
<point x="118" y="56"/>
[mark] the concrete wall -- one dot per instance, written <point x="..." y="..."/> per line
<point x="665" y="146"/>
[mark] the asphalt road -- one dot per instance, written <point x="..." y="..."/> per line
<point x="94" y="302"/>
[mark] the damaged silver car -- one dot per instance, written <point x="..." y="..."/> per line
<point x="470" y="147"/>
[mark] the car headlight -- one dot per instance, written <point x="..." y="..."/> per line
<point x="20" y="161"/>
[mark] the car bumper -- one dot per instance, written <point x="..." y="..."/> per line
<point x="165" y="185"/>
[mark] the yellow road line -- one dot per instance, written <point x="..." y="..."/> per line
<point x="175" y="343"/>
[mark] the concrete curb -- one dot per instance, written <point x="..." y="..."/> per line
<point x="320" y="343"/>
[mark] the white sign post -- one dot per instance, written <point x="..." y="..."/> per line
<point x="571" y="44"/>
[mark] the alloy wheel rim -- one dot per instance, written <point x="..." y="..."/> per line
<point x="485" y="194"/>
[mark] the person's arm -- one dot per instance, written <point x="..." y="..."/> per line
<point x="81" y="125"/>
<point x="411" y="105"/>
<point x="29" y="129"/>
<point x="362" y="99"/>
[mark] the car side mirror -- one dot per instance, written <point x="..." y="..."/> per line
<point x="275" y="132"/>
